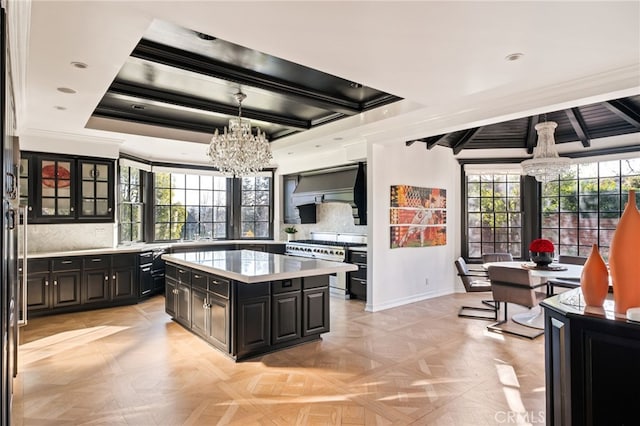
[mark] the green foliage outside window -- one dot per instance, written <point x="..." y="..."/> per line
<point x="583" y="206"/>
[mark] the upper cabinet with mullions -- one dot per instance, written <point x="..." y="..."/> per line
<point x="63" y="189"/>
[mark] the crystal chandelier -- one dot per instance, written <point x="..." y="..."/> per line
<point x="238" y="151"/>
<point x="546" y="164"/>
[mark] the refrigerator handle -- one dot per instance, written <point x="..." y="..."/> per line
<point x="22" y="254"/>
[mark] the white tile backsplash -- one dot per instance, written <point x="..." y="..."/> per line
<point x="76" y="236"/>
<point x="331" y="217"/>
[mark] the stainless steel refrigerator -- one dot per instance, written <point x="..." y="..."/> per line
<point x="10" y="220"/>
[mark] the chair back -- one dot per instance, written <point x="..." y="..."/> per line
<point x="497" y="257"/>
<point x="513" y="285"/>
<point x="572" y="260"/>
<point x="471" y="282"/>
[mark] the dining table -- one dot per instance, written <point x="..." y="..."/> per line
<point x="554" y="275"/>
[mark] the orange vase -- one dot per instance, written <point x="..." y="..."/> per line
<point x="624" y="258"/>
<point x="594" y="280"/>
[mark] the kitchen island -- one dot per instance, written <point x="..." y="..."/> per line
<point x="247" y="303"/>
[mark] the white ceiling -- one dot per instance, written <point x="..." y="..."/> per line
<point x="447" y="59"/>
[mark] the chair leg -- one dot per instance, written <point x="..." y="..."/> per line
<point x="494" y="306"/>
<point x="492" y="303"/>
<point x="495" y="327"/>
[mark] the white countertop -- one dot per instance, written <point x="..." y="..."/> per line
<point x="254" y="266"/>
<point x="142" y="247"/>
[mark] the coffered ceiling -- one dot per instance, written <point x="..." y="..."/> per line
<point x="183" y="79"/>
<point x="321" y="76"/>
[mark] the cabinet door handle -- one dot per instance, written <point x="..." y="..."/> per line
<point x="66" y="262"/>
<point x="205" y="306"/>
<point x="197" y="276"/>
<point x="106" y="277"/>
<point x="114" y="277"/>
<point x="46" y="282"/>
<point x="216" y="282"/>
<point x="55" y="282"/>
<point x="12" y="186"/>
<point x="96" y="260"/>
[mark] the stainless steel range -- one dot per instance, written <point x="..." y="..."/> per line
<point x="328" y="246"/>
<point x="325" y="245"/>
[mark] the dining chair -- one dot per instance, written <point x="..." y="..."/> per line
<point x="572" y="260"/>
<point x="476" y="281"/>
<point x="496" y="257"/>
<point x="518" y="286"/>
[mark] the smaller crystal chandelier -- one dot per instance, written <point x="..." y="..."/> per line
<point x="238" y="151"/>
<point x="546" y="164"/>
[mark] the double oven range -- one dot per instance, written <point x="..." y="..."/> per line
<point x="328" y="246"/>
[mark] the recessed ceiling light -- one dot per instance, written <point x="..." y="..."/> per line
<point x="80" y="65"/>
<point x="66" y="90"/>
<point x="60" y="108"/>
<point x="289" y="153"/>
<point x="139" y="107"/>
<point x="338" y="138"/>
<point x="513" y="56"/>
<point x="318" y="146"/>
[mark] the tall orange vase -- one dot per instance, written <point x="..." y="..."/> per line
<point x="624" y="258"/>
<point x="594" y="280"/>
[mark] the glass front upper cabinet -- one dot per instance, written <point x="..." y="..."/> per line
<point x="56" y="186"/>
<point x="96" y="189"/>
<point x="62" y="189"/>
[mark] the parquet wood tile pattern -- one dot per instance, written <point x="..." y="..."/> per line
<point x="414" y="365"/>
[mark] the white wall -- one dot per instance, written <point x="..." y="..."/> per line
<point x="398" y="276"/>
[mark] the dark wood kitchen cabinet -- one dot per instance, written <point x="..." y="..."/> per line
<point x="75" y="283"/>
<point x="247" y="319"/>
<point x="95" y="279"/>
<point x="253" y="307"/>
<point x="286" y="308"/>
<point x="63" y="188"/>
<point x="315" y="305"/>
<point x="178" y="294"/>
<point x="210" y="308"/>
<point x="357" y="281"/>
<point x="591" y="364"/>
<point x="52" y="285"/>
<point x="109" y="278"/>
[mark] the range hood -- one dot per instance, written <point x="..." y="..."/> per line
<point x="344" y="185"/>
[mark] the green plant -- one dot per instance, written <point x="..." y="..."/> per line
<point x="290" y="230"/>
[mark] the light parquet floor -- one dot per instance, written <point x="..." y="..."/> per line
<point x="417" y="364"/>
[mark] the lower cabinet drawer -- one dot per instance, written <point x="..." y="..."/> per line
<point x="284" y="286"/>
<point x="358" y="288"/>
<point x="67" y="264"/>
<point x="199" y="280"/>
<point x="219" y="286"/>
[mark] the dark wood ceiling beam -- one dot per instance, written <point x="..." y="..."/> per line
<point x="625" y="110"/>
<point x="532" y="135"/>
<point x="159" y="53"/>
<point x="466" y="137"/>
<point x="579" y="126"/>
<point x="429" y="142"/>
<point x="434" y="140"/>
<point x="173" y="98"/>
